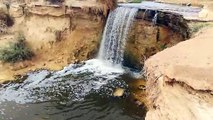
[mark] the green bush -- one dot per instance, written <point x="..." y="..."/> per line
<point x="17" y="51"/>
<point x="197" y="27"/>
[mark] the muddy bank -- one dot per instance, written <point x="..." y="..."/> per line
<point x="180" y="80"/>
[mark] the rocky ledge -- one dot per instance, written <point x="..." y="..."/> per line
<point x="180" y="80"/>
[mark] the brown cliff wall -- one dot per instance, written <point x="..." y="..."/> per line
<point x="179" y="85"/>
<point x="58" y="35"/>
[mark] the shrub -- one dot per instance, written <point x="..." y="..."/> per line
<point x="195" y="27"/>
<point x="17" y="51"/>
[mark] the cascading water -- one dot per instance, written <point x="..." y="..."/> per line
<point x="66" y="89"/>
<point x="155" y="18"/>
<point x="115" y="34"/>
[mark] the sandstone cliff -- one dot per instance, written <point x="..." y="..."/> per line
<point x="179" y="79"/>
<point x="57" y="34"/>
<point x="180" y="84"/>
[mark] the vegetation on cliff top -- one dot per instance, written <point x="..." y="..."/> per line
<point x="197" y="26"/>
<point x="17" y="51"/>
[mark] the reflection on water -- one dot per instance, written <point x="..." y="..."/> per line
<point x="79" y="92"/>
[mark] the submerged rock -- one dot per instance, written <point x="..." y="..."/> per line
<point x="137" y="91"/>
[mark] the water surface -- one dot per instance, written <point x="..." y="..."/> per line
<point x="79" y="92"/>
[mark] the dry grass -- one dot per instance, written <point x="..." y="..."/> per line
<point x="18" y="51"/>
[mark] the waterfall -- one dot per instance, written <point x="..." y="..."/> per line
<point x="155" y="18"/>
<point x="115" y="34"/>
<point x="79" y="80"/>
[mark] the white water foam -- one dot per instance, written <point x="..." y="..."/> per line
<point x="93" y="75"/>
<point x="155" y="19"/>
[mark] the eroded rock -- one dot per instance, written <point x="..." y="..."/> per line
<point x="146" y="39"/>
<point x="180" y="81"/>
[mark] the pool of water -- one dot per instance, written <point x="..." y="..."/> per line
<point x="79" y="92"/>
<point x="93" y="107"/>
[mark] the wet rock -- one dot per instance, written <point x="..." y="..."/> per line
<point x="76" y="61"/>
<point x="83" y="62"/>
<point x="142" y="87"/>
<point x="62" y="103"/>
<point x="137" y="102"/>
<point x="118" y="92"/>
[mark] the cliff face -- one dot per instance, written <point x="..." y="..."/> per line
<point x="179" y="79"/>
<point x="146" y="38"/>
<point x="57" y="34"/>
<point x="180" y="84"/>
